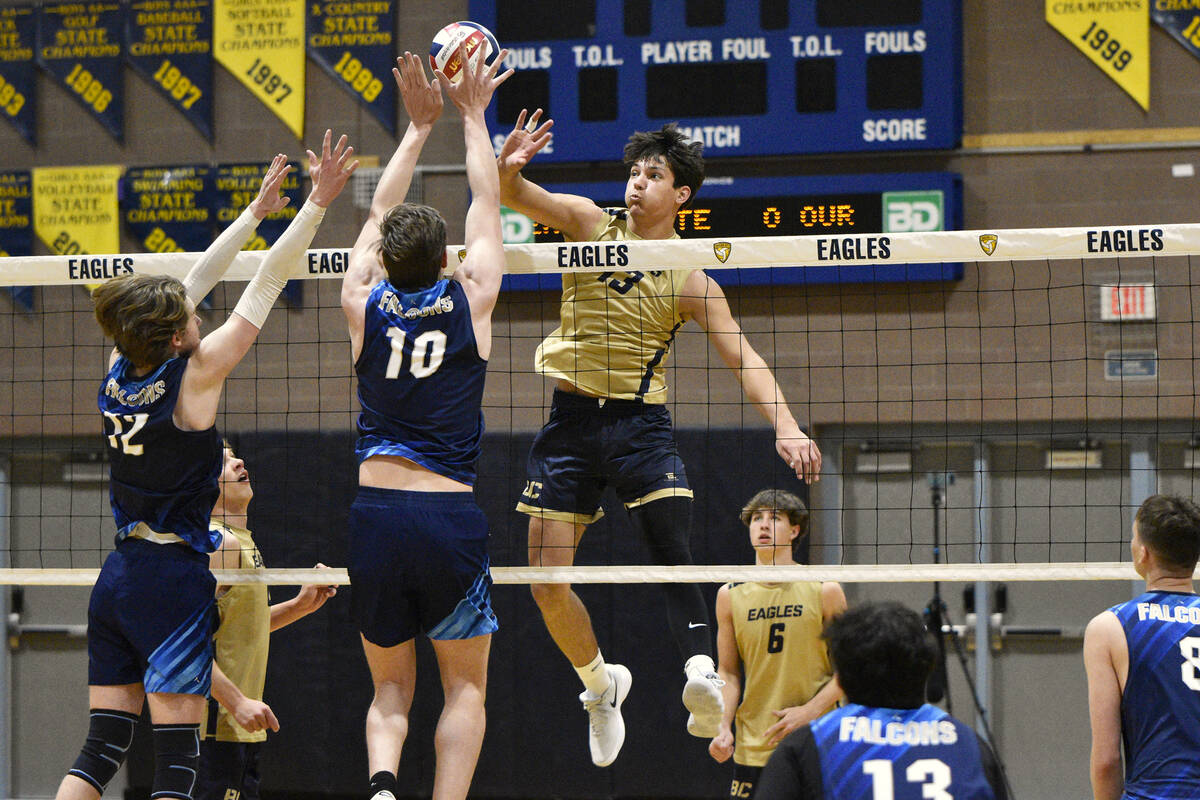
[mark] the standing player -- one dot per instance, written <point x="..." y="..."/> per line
<point x="150" y="617"/>
<point x="235" y="730"/>
<point x="418" y="542"/>
<point x="887" y="742"/>
<point x="608" y="422"/>
<point x="1143" y="664"/>
<point x="772" y="632"/>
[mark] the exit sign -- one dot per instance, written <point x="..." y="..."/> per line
<point x="1124" y="302"/>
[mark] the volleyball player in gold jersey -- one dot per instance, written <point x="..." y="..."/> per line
<point x="608" y="424"/>
<point x="772" y="633"/>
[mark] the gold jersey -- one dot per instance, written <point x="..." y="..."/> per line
<point x="243" y="638"/>
<point x="616" y="328"/>
<point x="785" y="662"/>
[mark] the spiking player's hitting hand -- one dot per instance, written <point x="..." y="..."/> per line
<point x="525" y="141"/>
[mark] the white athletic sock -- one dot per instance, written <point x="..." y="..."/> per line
<point x="700" y="664"/>
<point x="594" y="675"/>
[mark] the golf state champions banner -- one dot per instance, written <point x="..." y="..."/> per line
<point x="169" y="209"/>
<point x="1181" y="19"/>
<point x="16" y="225"/>
<point x="18" y="29"/>
<point x="261" y="42"/>
<point x="236" y="187"/>
<point x="75" y="213"/>
<point x="1113" y="34"/>
<point x="352" y="40"/>
<point x="169" y="43"/>
<point x="80" y="45"/>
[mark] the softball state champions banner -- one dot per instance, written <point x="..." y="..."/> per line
<point x="80" y="45"/>
<point x="18" y="28"/>
<point x="170" y="45"/>
<point x="353" y="42"/>
<point x="262" y="43"/>
<point x="1115" y="36"/>
<point x="1181" y="19"/>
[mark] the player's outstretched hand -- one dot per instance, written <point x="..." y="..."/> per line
<point x="525" y="141"/>
<point x="269" y="200"/>
<point x="474" y="91"/>
<point x="330" y="172"/>
<point x="255" y="715"/>
<point x="422" y="99"/>
<point x="312" y="596"/>
<point x="721" y="747"/>
<point x="802" y="455"/>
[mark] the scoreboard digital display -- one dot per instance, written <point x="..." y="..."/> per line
<point x="828" y="205"/>
<point x="745" y="77"/>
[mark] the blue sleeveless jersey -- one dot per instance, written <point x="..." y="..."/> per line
<point x="159" y="474"/>
<point x="1160" y="706"/>
<point x="420" y="380"/>
<point x="914" y="753"/>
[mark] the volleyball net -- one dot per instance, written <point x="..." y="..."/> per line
<point x="997" y="417"/>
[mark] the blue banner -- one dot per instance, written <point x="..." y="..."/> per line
<point x="80" y="45"/>
<point x="354" y="43"/>
<point x="1183" y="25"/>
<point x="18" y="30"/>
<point x="16" y="225"/>
<point x="169" y="209"/>
<point x="169" y="43"/>
<point x="236" y="187"/>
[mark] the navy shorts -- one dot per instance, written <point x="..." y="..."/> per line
<point x="419" y="564"/>
<point x="589" y="444"/>
<point x="744" y="780"/>
<point x="228" y="771"/>
<point x="151" y="619"/>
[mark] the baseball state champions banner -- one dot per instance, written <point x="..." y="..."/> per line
<point x="262" y="43"/>
<point x="170" y="45"/>
<point x="352" y="41"/>
<point x="1114" y="34"/>
<point x="168" y="209"/>
<point x="18" y="28"/>
<point x="75" y="213"/>
<point x="16" y="226"/>
<point x="80" y="45"/>
<point x="1181" y="19"/>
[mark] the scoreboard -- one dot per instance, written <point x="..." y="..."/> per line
<point x="745" y="77"/>
<point x="812" y="205"/>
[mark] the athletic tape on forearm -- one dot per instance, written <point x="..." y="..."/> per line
<point x="212" y="265"/>
<point x="272" y="275"/>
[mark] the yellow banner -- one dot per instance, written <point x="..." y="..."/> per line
<point x="75" y="213"/>
<point x="1114" y="34"/>
<point x="262" y="43"/>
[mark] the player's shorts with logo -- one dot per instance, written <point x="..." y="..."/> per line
<point x="419" y="564"/>
<point x="151" y="619"/>
<point x="590" y="443"/>
<point x="228" y="770"/>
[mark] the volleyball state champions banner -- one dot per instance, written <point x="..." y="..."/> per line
<point x="75" y="213"/>
<point x="352" y="40"/>
<point x="236" y="186"/>
<point x="18" y="81"/>
<point x="1181" y="19"/>
<point x="1114" y="36"/>
<point x="16" y="225"/>
<point x="80" y="45"/>
<point x="169" y="43"/>
<point x="261" y="42"/>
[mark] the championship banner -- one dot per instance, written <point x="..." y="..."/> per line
<point x="18" y="31"/>
<point x="16" y="226"/>
<point x="75" y="213"/>
<point x="1115" y="36"/>
<point x="168" y="209"/>
<point x="353" y="42"/>
<point x="1181" y="19"/>
<point x="262" y="43"/>
<point x="169" y="43"/>
<point x="236" y="187"/>
<point x="80" y="45"/>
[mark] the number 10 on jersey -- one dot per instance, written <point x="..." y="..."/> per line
<point x="428" y="350"/>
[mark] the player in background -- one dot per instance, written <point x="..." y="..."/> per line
<point x="887" y="741"/>
<point x="1143" y="664"/>
<point x="238" y="719"/>
<point x="418" y="557"/>
<point x="608" y="423"/>
<point x="772" y="632"/>
<point x="152" y="611"/>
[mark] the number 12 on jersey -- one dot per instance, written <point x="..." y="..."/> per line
<point x="126" y="446"/>
<point x="428" y="350"/>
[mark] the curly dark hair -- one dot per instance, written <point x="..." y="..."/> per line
<point x="682" y="155"/>
<point x="882" y="654"/>
<point x="412" y="243"/>
<point x="1170" y="526"/>
<point x="141" y="313"/>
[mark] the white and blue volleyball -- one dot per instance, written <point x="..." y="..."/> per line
<point x="479" y="41"/>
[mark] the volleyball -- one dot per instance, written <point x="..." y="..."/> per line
<point x="443" y="52"/>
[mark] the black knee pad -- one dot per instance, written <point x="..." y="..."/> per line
<point x="109" y="736"/>
<point x="176" y="759"/>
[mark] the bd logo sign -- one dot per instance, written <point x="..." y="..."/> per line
<point x="913" y="212"/>
<point x="516" y="228"/>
